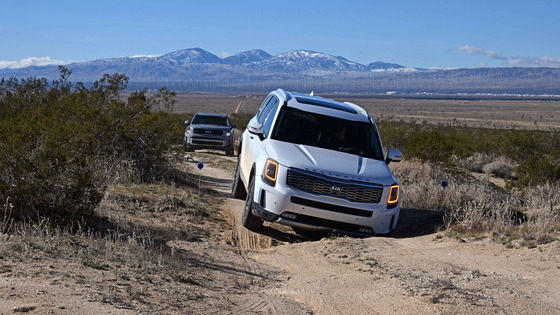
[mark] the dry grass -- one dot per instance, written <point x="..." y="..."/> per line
<point x="476" y="207"/>
<point x="128" y="243"/>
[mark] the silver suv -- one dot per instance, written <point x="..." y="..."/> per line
<point x="209" y="131"/>
<point x="316" y="164"/>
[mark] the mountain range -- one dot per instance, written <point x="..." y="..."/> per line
<point x="196" y="69"/>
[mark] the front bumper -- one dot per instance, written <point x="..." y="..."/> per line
<point x="286" y="205"/>
<point x="208" y="142"/>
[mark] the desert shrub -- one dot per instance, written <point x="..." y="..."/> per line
<point x="476" y="162"/>
<point x="536" y="171"/>
<point x="60" y="143"/>
<point x="241" y="120"/>
<point x="498" y="169"/>
<point x="438" y="144"/>
<point x="535" y="153"/>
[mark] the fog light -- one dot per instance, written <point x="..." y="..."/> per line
<point x="365" y="230"/>
<point x="290" y="216"/>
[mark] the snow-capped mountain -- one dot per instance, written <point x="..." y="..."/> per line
<point x="189" y="57"/>
<point x="198" y="69"/>
<point x="304" y="61"/>
<point x="247" y="57"/>
<point x="199" y="63"/>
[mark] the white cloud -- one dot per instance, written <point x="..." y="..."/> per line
<point x="471" y="50"/>
<point x="224" y="55"/>
<point x="33" y="61"/>
<point x="520" y="61"/>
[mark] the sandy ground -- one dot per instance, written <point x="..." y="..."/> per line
<point x="420" y="274"/>
<point x="277" y="271"/>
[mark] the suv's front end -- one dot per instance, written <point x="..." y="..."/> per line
<point x="317" y="189"/>
<point x="319" y="165"/>
<point x="209" y="131"/>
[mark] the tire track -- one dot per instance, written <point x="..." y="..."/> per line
<point x="245" y="243"/>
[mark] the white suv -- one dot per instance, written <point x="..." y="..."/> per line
<point x="316" y="164"/>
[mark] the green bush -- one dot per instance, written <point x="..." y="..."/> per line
<point x="241" y="120"/>
<point x="60" y="143"/>
<point x="536" y="153"/>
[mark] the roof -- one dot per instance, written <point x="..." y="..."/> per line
<point x="324" y="106"/>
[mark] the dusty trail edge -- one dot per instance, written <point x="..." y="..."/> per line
<point x="422" y="274"/>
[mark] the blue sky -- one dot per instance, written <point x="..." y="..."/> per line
<point x="419" y="33"/>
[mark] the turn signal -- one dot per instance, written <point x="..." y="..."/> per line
<point x="270" y="172"/>
<point x="393" y="196"/>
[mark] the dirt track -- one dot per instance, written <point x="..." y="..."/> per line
<point x="235" y="271"/>
<point x="410" y="273"/>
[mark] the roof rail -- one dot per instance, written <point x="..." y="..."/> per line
<point x="285" y="94"/>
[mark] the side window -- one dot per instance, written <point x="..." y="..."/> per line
<point x="263" y="105"/>
<point x="264" y="113"/>
<point x="270" y="119"/>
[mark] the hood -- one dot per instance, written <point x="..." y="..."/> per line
<point x="207" y="126"/>
<point x="331" y="163"/>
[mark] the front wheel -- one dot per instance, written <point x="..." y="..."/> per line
<point x="230" y="151"/>
<point x="187" y="148"/>
<point x="249" y="220"/>
<point x="237" y="189"/>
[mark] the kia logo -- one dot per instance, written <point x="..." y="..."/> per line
<point x="336" y="188"/>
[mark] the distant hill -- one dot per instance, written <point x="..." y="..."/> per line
<point x="196" y="69"/>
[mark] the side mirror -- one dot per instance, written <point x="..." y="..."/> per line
<point x="233" y="126"/>
<point x="187" y="122"/>
<point x="255" y="127"/>
<point x="393" y="156"/>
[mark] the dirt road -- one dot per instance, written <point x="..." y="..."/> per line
<point x="216" y="266"/>
<point x="412" y="272"/>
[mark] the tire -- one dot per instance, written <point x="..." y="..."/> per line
<point x="230" y="151"/>
<point x="187" y="148"/>
<point x="249" y="220"/>
<point x="237" y="189"/>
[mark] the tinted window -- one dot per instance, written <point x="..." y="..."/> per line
<point x="211" y="120"/>
<point x="296" y="126"/>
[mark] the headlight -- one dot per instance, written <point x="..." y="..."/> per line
<point x="189" y="130"/>
<point x="270" y="173"/>
<point x="393" y="197"/>
<point x="228" y="133"/>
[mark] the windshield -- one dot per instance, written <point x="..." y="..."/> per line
<point x="210" y="120"/>
<point x="296" y="126"/>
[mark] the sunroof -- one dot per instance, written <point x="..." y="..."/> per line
<point x="326" y="103"/>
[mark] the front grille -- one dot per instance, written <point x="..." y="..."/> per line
<point x="324" y="185"/>
<point x="214" y="132"/>
<point x="202" y="141"/>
